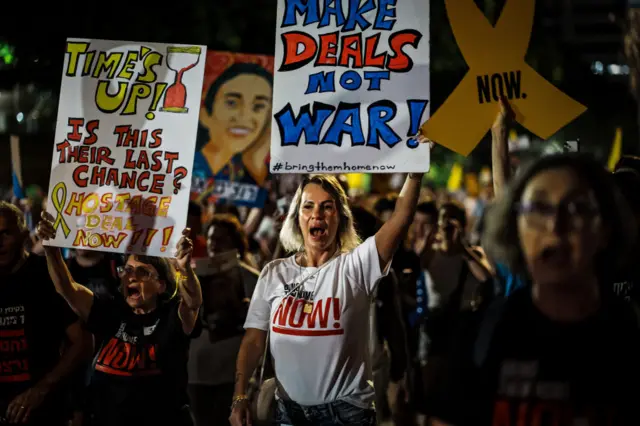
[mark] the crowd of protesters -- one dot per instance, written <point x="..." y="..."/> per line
<point x="516" y="308"/>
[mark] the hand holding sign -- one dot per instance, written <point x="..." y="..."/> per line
<point x="497" y="68"/>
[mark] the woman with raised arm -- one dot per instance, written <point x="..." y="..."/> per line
<point x="315" y="305"/>
<point x="140" y="372"/>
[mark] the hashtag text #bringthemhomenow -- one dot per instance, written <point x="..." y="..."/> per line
<point x="320" y="167"/>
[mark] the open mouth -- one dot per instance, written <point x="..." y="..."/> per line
<point x="555" y="255"/>
<point x="133" y="291"/>
<point x="239" y="131"/>
<point x="317" y="232"/>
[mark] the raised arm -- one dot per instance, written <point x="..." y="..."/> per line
<point x="388" y="238"/>
<point x="188" y="284"/>
<point x="79" y="298"/>
<point x="501" y="168"/>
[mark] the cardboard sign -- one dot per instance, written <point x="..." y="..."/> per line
<point x="124" y="144"/>
<point x="495" y="56"/>
<point x="351" y="86"/>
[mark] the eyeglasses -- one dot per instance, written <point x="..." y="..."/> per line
<point x="141" y="273"/>
<point x="572" y="215"/>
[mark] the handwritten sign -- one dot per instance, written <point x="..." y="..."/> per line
<point x="497" y="69"/>
<point x="123" y="152"/>
<point x="351" y="86"/>
<point x="232" y="152"/>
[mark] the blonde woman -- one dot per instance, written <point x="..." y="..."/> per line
<point x="315" y="305"/>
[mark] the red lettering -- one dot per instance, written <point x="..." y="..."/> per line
<point x="157" y="184"/>
<point x="75" y="135"/>
<point x="62" y="149"/>
<point x="319" y="313"/>
<point x="128" y="161"/>
<point x="78" y="178"/>
<point x="294" y="58"/>
<point x="157" y="161"/>
<point x="92" y="126"/>
<point x="328" y="46"/>
<point x="398" y="60"/>
<point x="157" y="138"/>
<point x="351" y="49"/>
<point x="370" y="58"/>
<point x="297" y="314"/>
<point x="501" y="414"/>
<point x="104" y="155"/>
<point x="170" y="157"/>
<point x="283" y="311"/>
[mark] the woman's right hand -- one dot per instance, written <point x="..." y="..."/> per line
<point x="45" y="230"/>
<point x="240" y="415"/>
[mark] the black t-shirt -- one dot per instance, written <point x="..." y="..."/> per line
<point x="140" y="372"/>
<point x="33" y="323"/>
<point x="540" y="373"/>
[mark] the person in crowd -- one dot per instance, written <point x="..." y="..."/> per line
<point x="562" y="350"/>
<point x="459" y="282"/>
<point x="385" y="206"/>
<point x="194" y="222"/>
<point x="140" y="372"/>
<point x="227" y="286"/>
<point x="627" y="179"/>
<point x="35" y="322"/>
<point x="389" y="352"/>
<point x="97" y="270"/>
<point x="321" y="356"/>
<point x="423" y="230"/>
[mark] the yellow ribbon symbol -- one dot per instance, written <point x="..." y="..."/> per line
<point x="59" y="198"/>
<point x="495" y="56"/>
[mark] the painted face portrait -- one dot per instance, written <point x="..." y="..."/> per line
<point x="236" y="114"/>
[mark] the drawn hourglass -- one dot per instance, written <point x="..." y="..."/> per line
<point x="180" y="60"/>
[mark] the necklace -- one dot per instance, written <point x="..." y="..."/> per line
<point x="308" y="304"/>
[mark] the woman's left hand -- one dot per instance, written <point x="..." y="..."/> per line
<point x="184" y="250"/>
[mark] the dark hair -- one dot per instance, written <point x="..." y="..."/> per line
<point x="428" y="207"/>
<point x="628" y="162"/>
<point x="628" y="181"/>
<point x="501" y="239"/>
<point x="230" y="73"/>
<point x="166" y="273"/>
<point x="235" y="230"/>
<point x="456" y="211"/>
<point x="10" y="211"/>
<point x="194" y="209"/>
<point x="231" y="209"/>
<point x="365" y="221"/>
<point x="386" y="203"/>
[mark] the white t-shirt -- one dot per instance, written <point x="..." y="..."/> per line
<point x="323" y="356"/>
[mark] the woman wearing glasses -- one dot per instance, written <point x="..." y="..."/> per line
<point x="561" y="350"/>
<point x="140" y="372"/>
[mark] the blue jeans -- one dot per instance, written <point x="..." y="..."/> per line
<point x="334" y="413"/>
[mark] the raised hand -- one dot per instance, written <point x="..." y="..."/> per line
<point x="45" y="230"/>
<point x="184" y="250"/>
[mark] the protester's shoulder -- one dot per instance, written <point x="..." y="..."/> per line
<point x="281" y="265"/>
<point x="249" y="270"/>
<point x="35" y="271"/>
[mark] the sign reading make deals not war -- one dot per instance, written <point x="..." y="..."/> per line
<point x="124" y="145"/>
<point x="351" y="86"/>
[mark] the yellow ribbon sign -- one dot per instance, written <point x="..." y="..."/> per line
<point x="495" y="56"/>
<point x="59" y="199"/>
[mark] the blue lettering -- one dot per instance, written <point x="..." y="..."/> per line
<point x="386" y="8"/>
<point x="307" y="8"/>
<point x="416" y="109"/>
<point x="291" y="127"/>
<point x="347" y="121"/>
<point x="356" y="13"/>
<point x="380" y="113"/>
<point x="351" y="80"/>
<point x="321" y="82"/>
<point x="375" y="78"/>
<point x="332" y="7"/>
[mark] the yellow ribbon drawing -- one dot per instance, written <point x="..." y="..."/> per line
<point x="59" y="201"/>
<point x="495" y="56"/>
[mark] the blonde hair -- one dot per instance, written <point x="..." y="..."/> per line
<point x="291" y="234"/>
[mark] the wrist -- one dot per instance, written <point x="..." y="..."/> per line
<point x="416" y="176"/>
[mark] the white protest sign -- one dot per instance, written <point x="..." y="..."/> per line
<point x="351" y="86"/>
<point x="124" y="145"/>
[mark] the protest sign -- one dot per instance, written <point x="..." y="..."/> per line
<point x="351" y="86"/>
<point x="497" y="68"/>
<point x="124" y="145"/>
<point x="232" y="152"/>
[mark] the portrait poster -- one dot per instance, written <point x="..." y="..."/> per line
<point x="232" y="151"/>
<point x="124" y="144"/>
<point x="351" y="86"/>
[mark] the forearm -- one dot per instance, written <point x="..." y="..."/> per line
<point x="500" y="159"/>
<point x="249" y="357"/>
<point x="408" y="200"/>
<point x="190" y="290"/>
<point x="253" y="221"/>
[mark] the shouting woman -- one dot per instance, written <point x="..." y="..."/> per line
<point x="140" y="373"/>
<point x="315" y="305"/>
